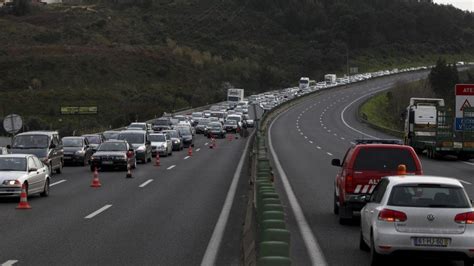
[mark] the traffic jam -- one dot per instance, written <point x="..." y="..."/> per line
<point x="28" y="164"/>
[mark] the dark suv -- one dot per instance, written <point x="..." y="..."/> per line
<point x="364" y="164"/>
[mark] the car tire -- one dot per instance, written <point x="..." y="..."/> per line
<point x="50" y="169"/>
<point x="362" y="245"/>
<point x="335" y="208"/>
<point x="344" y="220"/>
<point x="375" y="258"/>
<point x="60" y="168"/>
<point x="45" y="192"/>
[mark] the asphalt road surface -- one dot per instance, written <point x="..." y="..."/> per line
<point x="305" y="139"/>
<point x="165" y="215"/>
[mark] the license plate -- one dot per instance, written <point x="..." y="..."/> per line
<point x="107" y="162"/>
<point x="431" y="241"/>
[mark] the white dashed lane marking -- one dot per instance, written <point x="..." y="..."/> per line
<point x="54" y="184"/>
<point x="92" y="215"/>
<point x="171" y="167"/>
<point x="146" y="183"/>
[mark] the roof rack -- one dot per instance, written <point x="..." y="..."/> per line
<point x="378" y="141"/>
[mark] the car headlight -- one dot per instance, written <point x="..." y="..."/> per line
<point x="80" y="152"/>
<point x="141" y="148"/>
<point x="11" y="182"/>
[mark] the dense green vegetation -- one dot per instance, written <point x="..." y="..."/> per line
<point x="136" y="59"/>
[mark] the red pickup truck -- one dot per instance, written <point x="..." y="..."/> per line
<point x="364" y="164"/>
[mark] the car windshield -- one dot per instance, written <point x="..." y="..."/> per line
<point x="161" y="122"/>
<point x="172" y="134"/>
<point x="231" y="122"/>
<point x="304" y="81"/>
<point x="138" y="126"/>
<point x="184" y="131"/>
<point x="111" y="135"/>
<point x="383" y="159"/>
<point x="428" y="196"/>
<point x="12" y="164"/>
<point x="157" y="138"/>
<point x="72" y="142"/>
<point x="31" y="142"/>
<point x="204" y="122"/>
<point x="234" y="118"/>
<point x="134" y="138"/>
<point x="93" y="139"/>
<point x="113" y="146"/>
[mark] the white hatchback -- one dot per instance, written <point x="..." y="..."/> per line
<point x="418" y="215"/>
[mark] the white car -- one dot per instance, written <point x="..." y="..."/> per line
<point x="19" y="169"/>
<point x="424" y="215"/>
<point x="161" y="144"/>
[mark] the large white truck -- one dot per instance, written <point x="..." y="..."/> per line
<point x="330" y="79"/>
<point x="429" y="126"/>
<point x="234" y="96"/>
<point x="303" y="83"/>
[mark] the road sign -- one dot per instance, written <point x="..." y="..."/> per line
<point x="12" y="123"/>
<point x="464" y="98"/>
<point x="78" y="110"/>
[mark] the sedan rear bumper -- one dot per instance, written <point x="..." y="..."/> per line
<point x="403" y="243"/>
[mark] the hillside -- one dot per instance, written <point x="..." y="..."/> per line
<point x="135" y="61"/>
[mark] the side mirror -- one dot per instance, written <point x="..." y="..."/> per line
<point x="32" y="170"/>
<point x="9" y="146"/>
<point x="336" y="162"/>
<point x="131" y="150"/>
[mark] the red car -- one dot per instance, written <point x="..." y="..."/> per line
<point x="364" y="164"/>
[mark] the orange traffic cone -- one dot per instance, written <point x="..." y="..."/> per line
<point x="23" y="199"/>
<point x="129" y="171"/>
<point x="95" y="180"/>
<point x="190" y="151"/>
<point x="157" y="162"/>
<point x="401" y="169"/>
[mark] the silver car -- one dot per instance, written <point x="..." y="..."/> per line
<point x="19" y="169"/>
<point x="424" y="215"/>
<point x="161" y="144"/>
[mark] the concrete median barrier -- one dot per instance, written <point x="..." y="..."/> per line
<point x="273" y="215"/>
<point x="276" y="234"/>
<point x="274" y="248"/>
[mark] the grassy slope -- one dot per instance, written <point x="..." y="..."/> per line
<point x="138" y="62"/>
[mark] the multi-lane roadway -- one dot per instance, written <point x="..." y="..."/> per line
<point x="304" y="140"/>
<point x="180" y="213"/>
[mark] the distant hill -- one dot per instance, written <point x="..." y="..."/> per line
<point x="138" y="59"/>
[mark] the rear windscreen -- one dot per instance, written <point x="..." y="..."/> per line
<point x="428" y="196"/>
<point x="383" y="159"/>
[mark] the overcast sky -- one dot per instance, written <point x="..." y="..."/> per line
<point x="461" y="4"/>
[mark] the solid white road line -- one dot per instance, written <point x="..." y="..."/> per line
<point x="171" y="167"/>
<point x="90" y="216"/>
<point x="465" y="182"/>
<point x="146" y="183"/>
<point x="312" y="247"/>
<point x="198" y="149"/>
<point x="9" y="262"/>
<point x="187" y="157"/>
<point x="57" y="183"/>
<point x="354" y="101"/>
<point x="213" y="247"/>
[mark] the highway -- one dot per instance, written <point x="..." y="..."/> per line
<point x="304" y="140"/>
<point x="165" y="215"/>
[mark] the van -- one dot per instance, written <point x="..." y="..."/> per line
<point x="46" y="145"/>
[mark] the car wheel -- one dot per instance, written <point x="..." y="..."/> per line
<point x="335" y="208"/>
<point x="45" y="192"/>
<point x="468" y="262"/>
<point x="362" y="245"/>
<point x="375" y="258"/>
<point x="343" y="220"/>
<point x="60" y="168"/>
<point x="50" y="169"/>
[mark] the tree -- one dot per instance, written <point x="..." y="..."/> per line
<point x="443" y="78"/>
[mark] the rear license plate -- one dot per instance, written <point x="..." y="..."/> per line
<point x="107" y="162"/>
<point x="431" y="241"/>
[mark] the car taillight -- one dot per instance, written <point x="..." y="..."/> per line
<point x="349" y="183"/>
<point x="465" y="218"/>
<point x="388" y="215"/>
